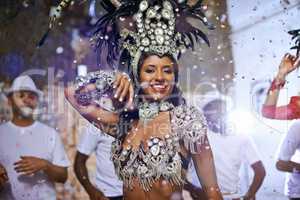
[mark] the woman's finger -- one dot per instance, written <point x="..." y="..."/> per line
<point x="120" y="88"/>
<point x="129" y="104"/>
<point x="125" y="91"/>
<point x="117" y="81"/>
<point x="297" y="62"/>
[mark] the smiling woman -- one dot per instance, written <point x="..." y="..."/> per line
<point x="156" y="132"/>
<point x="158" y="76"/>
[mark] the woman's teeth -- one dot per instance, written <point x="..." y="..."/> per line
<point x="159" y="87"/>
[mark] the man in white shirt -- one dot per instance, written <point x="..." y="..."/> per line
<point x="230" y="150"/>
<point x="32" y="155"/>
<point x="107" y="183"/>
<point x="289" y="161"/>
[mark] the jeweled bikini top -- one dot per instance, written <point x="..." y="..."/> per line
<point x="162" y="159"/>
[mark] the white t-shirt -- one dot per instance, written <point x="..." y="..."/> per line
<point x="37" y="140"/>
<point x="93" y="140"/>
<point x="229" y="152"/>
<point x="290" y="150"/>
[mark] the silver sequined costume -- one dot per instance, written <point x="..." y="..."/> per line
<point x="163" y="159"/>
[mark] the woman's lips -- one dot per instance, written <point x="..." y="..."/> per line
<point x="159" y="87"/>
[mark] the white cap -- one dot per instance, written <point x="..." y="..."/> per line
<point x="24" y="83"/>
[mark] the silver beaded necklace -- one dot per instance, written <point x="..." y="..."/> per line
<point x="148" y="111"/>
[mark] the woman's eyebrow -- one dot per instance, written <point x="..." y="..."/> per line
<point x="150" y="65"/>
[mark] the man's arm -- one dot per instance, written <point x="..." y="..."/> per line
<point x="195" y="192"/>
<point x="205" y="169"/>
<point x="287" y="166"/>
<point x="83" y="177"/>
<point x="259" y="176"/>
<point x="28" y="165"/>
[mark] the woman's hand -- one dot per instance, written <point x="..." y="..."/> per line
<point x="92" y="112"/>
<point x="124" y="89"/>
<point x="288" y="64"/>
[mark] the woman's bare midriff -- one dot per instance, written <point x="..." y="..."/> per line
<point x="161" y="190"/>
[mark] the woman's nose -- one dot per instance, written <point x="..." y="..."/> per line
<point x="159" y="75"/>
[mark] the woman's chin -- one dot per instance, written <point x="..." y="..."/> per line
<point x="157" y="97"/>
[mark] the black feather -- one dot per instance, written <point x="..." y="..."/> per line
<point x="296" y="36"/>
<point x="45" y="36"/>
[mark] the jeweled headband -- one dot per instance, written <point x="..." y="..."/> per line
<point x="152" y="26"/>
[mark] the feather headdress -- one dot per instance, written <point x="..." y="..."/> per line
<point x="131" y="27"/>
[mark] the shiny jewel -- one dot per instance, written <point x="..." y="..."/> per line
<point x="160" y="39"/>
<point x="159" y="31"/>
<point x="166" y="14"/>
<point x="167" y="5"/>
<point x="158" y="16"/>
<point x="128" y="147"/>
<point x="150" y="143"/>
<point x="156" y="7"/>
<point x="100" y="84"/>
<point x="155" y="150"/>
<point x="153" y="25"/>
<point x="125" y="152"/>
<point x="165" y="106"/>
<point x="151" y="13"/>
<point x="143" y="6"/>
<point x="153" y="42"/>
<point x="155" y="140"/>
<point x="145" y="42"/>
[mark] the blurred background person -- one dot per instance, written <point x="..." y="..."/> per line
<point x="107" y="184"/>
<point x="31" y="153"/>
<point x="230" y="151"/>
<point x="289" y="161"/>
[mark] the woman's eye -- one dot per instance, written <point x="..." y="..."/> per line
<point x="168" y="70"/>
<point x="149" y="70"/>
